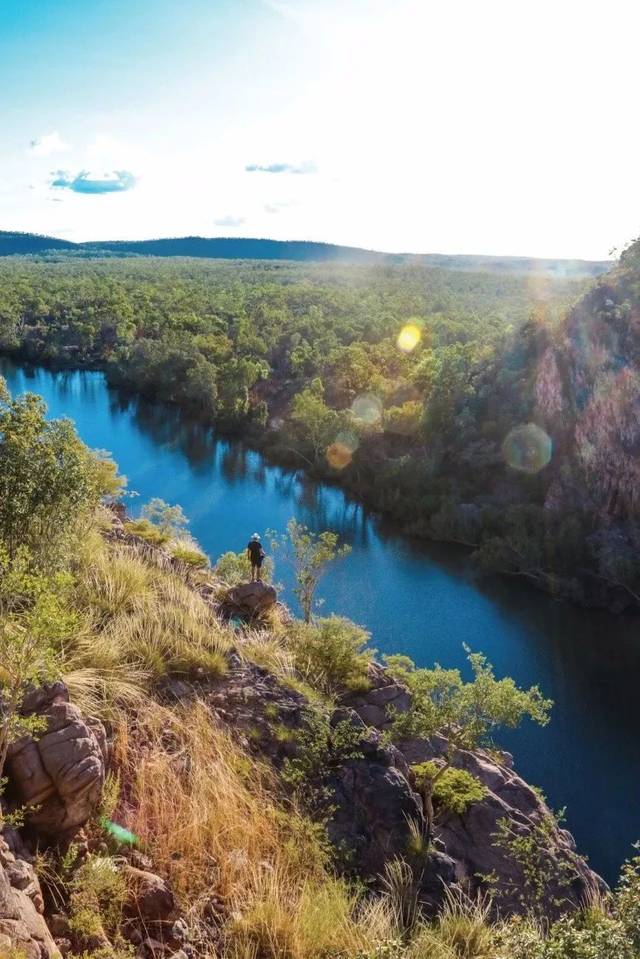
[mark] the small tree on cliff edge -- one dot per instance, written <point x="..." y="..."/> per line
<point x="309" y="553"/>
<point x="464" y="714"/>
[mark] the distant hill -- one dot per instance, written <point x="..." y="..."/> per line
<point x="244" y="248"/>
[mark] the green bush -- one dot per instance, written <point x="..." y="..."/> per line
<point x="144" y="529"/>
<point x="591" y="935"/>
<point x="331" y="653"/>
<point x="454" y="790"/>
<point x="234" y="568"/>
<point x="98" y="894"/>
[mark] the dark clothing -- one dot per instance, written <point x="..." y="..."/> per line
<point x="256" y="553"/>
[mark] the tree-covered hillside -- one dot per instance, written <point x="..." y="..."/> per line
<point x="446" y="399"/>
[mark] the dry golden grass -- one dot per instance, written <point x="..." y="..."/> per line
<point x="140" y="623"/>
<point x="208" y="816"/>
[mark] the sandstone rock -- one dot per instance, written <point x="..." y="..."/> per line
<point x="250" y="600"/>
<point x="469" y="839"/>
<point x="374" y="805"/>
<point x="62" y="771"/>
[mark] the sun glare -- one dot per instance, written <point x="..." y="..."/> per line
<point x="409" y="337"/>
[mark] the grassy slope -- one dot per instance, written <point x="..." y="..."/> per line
<point x="215" y="819"/>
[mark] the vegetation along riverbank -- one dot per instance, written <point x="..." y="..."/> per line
<point x="489" y="409"/>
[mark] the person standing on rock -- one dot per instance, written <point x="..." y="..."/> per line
<point x="255" y="555"/>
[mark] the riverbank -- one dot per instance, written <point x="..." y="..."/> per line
<point x="583" y="587"/>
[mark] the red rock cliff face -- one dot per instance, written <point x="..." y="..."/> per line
<point x="597" y="367"/>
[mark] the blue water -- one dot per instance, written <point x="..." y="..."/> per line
<point x="416" y="598"/>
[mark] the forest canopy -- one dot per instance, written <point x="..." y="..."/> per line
<point x="417" y="389"/>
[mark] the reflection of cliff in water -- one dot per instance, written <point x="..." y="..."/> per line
<point x="167" y="426"/>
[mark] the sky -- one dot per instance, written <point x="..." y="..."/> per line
<point x="465" y="126"/>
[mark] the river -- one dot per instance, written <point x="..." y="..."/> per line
<point x="417" y="598"/>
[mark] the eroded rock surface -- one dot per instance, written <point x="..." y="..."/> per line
<point x="62" y="771"/>
<point x="22" y="926"/>
<point x="468" y="840"/>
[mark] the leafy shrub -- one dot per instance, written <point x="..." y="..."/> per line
<point x="543" y="867"/>
<point x="454" y="790"/>
<point x="98" y="893"/>
<point x="331" y="653"/>
<point x="627" y="900"/>
<point x="322" y="750"/>
<point x="591" y="935"/>
<point x="234" y="568"/>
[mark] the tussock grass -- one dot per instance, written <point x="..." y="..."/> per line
<point x="207" y="814"/>
<point x="463" y="930"/>
<point x="139" y="624"/>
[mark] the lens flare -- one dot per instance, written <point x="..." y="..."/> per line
<point x="338" y="456"/>
<point x="350" y="440"/>
<point x="409" y="337"/>
<point x="124" y="836"/>
<point x="340" y="452"/>
<point x="367" y="408"/>
<point x="527" y="448"/>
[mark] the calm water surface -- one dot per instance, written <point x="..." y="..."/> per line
<point x="416" y="598"/>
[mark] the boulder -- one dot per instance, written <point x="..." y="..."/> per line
<point x="62" y="771"/>
<point x="249" y="600"/>
<point x="22" y="926"/>
<point x="466" y="844"/>
<point x="150" y="897"/>
<point x="376" y="705"/>
<point x="373" y="808"/>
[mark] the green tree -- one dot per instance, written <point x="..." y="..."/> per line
<point x="316" y="425"/>
<point x="49" y="480"/>
<point x="464" y="714"/>
<point x="170" y="520"/>
<point x="309" y="553"/>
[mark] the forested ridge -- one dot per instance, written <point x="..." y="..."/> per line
<point x="449" y="400"/>
<point x="256" y="248"/>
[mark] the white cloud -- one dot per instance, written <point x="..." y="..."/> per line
<point x="47" y="145"/>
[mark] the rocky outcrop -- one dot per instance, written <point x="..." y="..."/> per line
<point x="250" y="601"/>
<point x="60" y="773"/>
<point x="23" y="930"/>
<point x="384" y="697"/>
<point x="469" y="840"/>
<point x="374" y="806"/>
